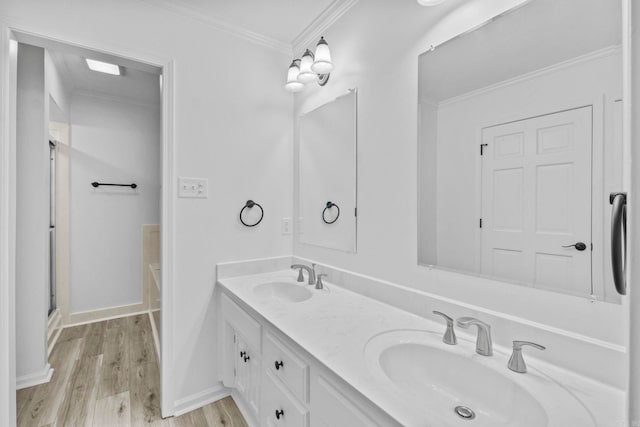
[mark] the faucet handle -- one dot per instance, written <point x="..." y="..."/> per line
<point x="449" y="336"/>
<point x="300" y="275"/>
<point x="319" y="284"/>
<point x="516" y="361"/>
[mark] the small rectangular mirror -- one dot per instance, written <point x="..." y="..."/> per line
<point x="327" y="175"/>
<point x="520" y="145"/>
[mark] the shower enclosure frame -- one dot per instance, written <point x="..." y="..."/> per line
<point x="52" y="227"/>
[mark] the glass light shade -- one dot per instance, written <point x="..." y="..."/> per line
<point x="306" y="75"/>
<point x="293" y="85"/>
<point x="322" y="63"/>
<point x="429" y="2"/>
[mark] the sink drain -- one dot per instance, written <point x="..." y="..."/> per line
<point x="464" y="412"/>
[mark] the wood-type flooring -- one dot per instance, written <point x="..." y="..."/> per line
<point x="106" y="375"/>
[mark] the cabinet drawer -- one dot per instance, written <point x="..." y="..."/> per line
<point x="291" y="369"/>
<point x="244" y="324"/>
<point x="279" y="408"/>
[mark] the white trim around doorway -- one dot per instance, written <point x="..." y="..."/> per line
<point x="8" y="215"/>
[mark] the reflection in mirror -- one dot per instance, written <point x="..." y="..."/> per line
<point x="520" y="145"/>
<point x="327" y="175"/>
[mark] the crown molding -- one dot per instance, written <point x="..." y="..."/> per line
<point x="226" y="27"/>
<point x="327" y="18"/>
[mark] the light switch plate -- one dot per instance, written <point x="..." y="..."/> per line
<point x="286" y="225"/>
<point x="193" y="187"/>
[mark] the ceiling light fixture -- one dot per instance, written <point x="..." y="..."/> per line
<point x="103" y="67"/>
<point x="429" y="2"/>
<point x="310" y="68"/>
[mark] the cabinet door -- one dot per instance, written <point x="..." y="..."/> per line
<point x="331" y="407"/>
<point x="247" y="370"/>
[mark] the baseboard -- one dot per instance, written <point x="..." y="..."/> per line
<point x="54" y="328"/>
<point x="54" y="319"/>
<point x="52" y="342"/>
<point x="156" y="336"/>
<point x="100" y="315"/>
<point x="35" y="378"/>
<point x="200" y="399"/>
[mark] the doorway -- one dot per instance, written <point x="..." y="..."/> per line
<point x="82" y="133"/>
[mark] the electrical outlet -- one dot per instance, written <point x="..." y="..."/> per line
<point x="193" y="187"/>
<point x="286" y="225"/>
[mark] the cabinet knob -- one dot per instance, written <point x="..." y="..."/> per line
<point x="246" y="358"/>
<point x="243" y="353"/>
<point x="279" y="413"/>
<point x="279" y="364"/>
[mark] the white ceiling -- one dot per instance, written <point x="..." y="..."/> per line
<point x="280" y="20"/>
<point x="277" y="21"/>
<point x="136" y="84"/>
<point x="539" y="34"/>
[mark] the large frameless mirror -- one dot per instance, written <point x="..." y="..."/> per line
<point x="520" y="145"/>
<point x="327" y="175"/>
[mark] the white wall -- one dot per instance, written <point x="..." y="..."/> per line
<point x="428" y="183"/>
<point x="232" y="125"/>
<point x="115" y="142"/>
<point x="381" y="60"/>
<point x="57" y="88"/>
<point x="32" y="224"/>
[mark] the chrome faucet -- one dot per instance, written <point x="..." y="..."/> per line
<point x="449" y="336"/>
<point x="483" y="343"/>
<point x="319" y="284"/>
<point x="310" y="270"/>
<point x="516" y="362"/>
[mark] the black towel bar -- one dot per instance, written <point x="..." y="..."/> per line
<point x="98" y="184"/>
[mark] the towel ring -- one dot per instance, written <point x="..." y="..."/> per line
<point x="250" y="204"/>
<point x="329" y="206"/>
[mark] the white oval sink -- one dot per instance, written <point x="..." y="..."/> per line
<point x="438" y="378"/>
<point x="284" y="291"/>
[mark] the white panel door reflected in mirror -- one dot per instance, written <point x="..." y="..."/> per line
<point x="327" y="175"/>
<point x="520" y="145"/>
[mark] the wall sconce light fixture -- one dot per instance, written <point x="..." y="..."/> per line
<point x="310" y="68"/>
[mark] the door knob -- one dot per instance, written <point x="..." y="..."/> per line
<point x="579" y="246"/>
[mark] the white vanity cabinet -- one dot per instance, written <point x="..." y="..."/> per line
<point x="280" y="385"/>
<point x="247" y="372"/>
<point x="241" y="347"/>
<point x="285" y="386"/>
